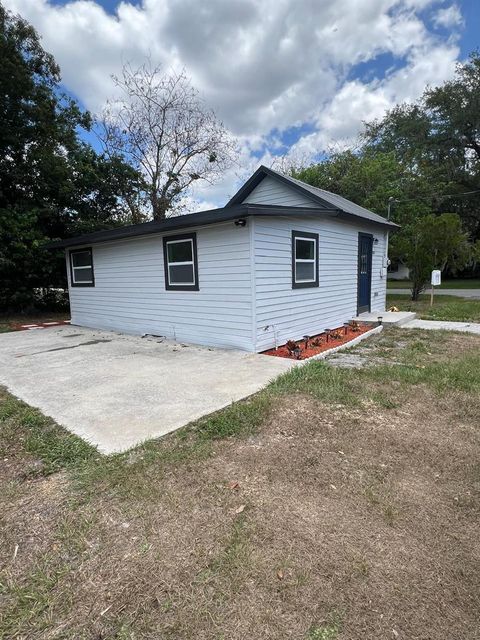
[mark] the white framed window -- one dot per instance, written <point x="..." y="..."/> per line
<point x="180" y="257"/>
<point x="304" y="259"/>
<point x="81" y="268"/>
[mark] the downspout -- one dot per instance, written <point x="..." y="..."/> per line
<point x="253" y="282"/>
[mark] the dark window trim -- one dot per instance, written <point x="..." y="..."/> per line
<point x="179" y="287"/>
<point x="310" y="236"/>
<point x="81" y="284"/>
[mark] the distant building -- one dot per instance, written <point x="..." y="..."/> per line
<point x="398" y="271"/>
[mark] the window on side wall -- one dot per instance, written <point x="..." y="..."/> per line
<point x="81" y="268"/>
<point x="180" y="257"/>
<point x="304" y="259"/>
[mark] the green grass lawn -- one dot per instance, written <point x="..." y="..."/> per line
<point x="330" y="505"/>
<point x="470" y="283"/>
<point x="444" y="307"/>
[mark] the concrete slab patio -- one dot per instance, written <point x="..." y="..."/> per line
<point x="393" y="318"/>
<point x="116" y="390"/>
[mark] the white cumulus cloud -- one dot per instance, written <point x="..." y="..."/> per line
<point x="263" y="66"/>
<point x="449" y="17"/>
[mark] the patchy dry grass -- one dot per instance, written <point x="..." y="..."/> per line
<point x="338" y="504"/>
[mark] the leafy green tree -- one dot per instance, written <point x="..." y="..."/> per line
<point x="100" y="192"/>
<point x="433" y="242"/>
<point x="476" y="251"/>
<point x="439" y="136"/>
<point x="418" y="155"/>
<point x="370" y="178"/>
<point x="51" y="184"/>
<point x="428" y="239"/>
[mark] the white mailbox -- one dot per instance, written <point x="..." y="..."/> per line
<point x="436" y="277"/>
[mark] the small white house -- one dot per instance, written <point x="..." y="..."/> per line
<point x="281" y="260"/>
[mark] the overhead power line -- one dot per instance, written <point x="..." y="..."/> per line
<point x="446" y="195"/>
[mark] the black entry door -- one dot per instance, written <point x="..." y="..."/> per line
<point x="365" y="242"/>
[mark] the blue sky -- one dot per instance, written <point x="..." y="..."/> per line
<point x="291" y="79"/>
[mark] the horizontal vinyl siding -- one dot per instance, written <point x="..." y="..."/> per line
<point x="271" y="191"/>
<point x="293" y="313"/>
<point x="130" y="296"/>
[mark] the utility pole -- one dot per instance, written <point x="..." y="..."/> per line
<point x="391" y="201"/>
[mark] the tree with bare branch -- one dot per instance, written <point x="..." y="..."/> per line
<point x="161" y="126"/>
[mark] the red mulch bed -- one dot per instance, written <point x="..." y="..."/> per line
<point x="313" y="350"/>
<point x="37" y="325"/>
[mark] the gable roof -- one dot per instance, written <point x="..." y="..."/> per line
<point x="326" y="199"/>
<point x="323" y="203"/>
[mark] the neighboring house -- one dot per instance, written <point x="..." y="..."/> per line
<point x="398" y="271"/>
<point x="281" y="260"/>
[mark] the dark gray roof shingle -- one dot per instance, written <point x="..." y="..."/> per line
<point x="320" y="196"/>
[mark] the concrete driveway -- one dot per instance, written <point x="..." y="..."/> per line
<point x="116" y="390"/>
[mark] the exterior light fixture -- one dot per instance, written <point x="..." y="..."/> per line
<point x="380" y="319"/>
<point x="241" y="222"/>
<point x="345" y="327"/>
<point x="327" y="333"/>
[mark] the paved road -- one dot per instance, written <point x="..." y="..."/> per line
<point x="459" y="293"/>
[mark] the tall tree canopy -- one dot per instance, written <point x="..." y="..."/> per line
<point x="439" y="137"/>
<point x="418" y="155"/>
<point x="51" y="184"/>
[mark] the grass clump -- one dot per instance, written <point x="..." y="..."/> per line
<point x="234" y="556"/>
<point x="319" y="379"/>
<point x="239" y="418"/>
<point x="26" y="427"/>
<point x="32" y="600"/>
<point x="462" y="374"/>
<point x="326" y="631"/>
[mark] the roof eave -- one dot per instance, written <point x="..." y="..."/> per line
<point x="231" y="211"/>
<point x="148" y="228"/>
<point x="391" y="226"/>
<point x="201" y="219"/>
